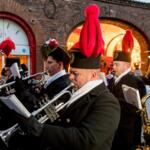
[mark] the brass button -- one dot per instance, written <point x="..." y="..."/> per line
<point x="59" y="120"/>
<point x="68" y="120"/>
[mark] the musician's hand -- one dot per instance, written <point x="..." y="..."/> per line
<point x="19" y="85"/>
<point x="30" y="125"/>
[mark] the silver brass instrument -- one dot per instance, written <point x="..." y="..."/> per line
<point x="51" y="112"/>
<point x="146" y="122"/>
<point x="9" y="86"/>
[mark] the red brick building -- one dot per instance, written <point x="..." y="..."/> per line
<point x="31" y="22"/>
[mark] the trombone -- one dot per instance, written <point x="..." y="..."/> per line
<point x="51" y="112"/>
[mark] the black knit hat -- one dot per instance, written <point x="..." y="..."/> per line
<point x="80" y="61"/>
<point x="10" y="61"/>
<point x="127" y="47"/>
<point x="52" y="48"/>
<point x="87" y="51"/>
<point x="60" y="54"/>
<point x="122" y="56"/>
<point x="48" y="46"/>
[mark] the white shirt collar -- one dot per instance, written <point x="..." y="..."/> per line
<point x="54" y="77"/>
<point x="123" y="74"/>
<point x="84" y="90"/>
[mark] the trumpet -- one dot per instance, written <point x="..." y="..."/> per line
<point x="51" y="112"/>
<point x="9" y="89"/>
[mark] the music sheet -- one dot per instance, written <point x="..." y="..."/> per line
<point x="13" y="103"/>
<point x="132" y="96"/>
<point x="15" y="70"/>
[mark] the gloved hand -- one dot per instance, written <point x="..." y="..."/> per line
<point x="23" y="94"/>
<point x="30" y="125"/>
<point x="19" y="85"/>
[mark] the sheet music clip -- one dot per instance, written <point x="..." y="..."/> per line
<point x="15" y="70"/>
<point x="132" y="96"/>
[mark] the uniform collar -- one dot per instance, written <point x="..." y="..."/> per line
<point x="54" y="77"/>
<point x="97" y="91"/>
<point x="122" y="75"/>
<point x="84" y="90"/>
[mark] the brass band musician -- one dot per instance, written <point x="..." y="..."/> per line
<point x="128" y="135"/>
<point x="57" y="60"/>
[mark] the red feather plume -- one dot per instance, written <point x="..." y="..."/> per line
<point x="91" y="40"/>
<point x="127" y="42"/>
<point x="7" y="46"/>
<point x="53" y="43"/>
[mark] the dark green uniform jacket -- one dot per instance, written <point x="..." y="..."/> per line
<point x="129" y="131"/>
<point x="88" y="124"/>
<point x="57" y="86"/>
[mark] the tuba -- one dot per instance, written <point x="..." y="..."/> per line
<point x="146" y="120"/>
<point x="145" y="112"/>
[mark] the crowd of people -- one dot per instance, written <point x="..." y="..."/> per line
<point x="97" y="115"/>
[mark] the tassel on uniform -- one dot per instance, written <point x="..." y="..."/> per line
<point x="7" y="46"/>
<point x="128" y="42"/>
<point x="91" y="40"/>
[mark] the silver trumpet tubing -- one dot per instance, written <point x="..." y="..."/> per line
<point x="6" y="134"/>
<point x="9" y="89"/>
<point x="48" y="111"/>
<point x="49" y="106"/>
<point x="40" y="74"/>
